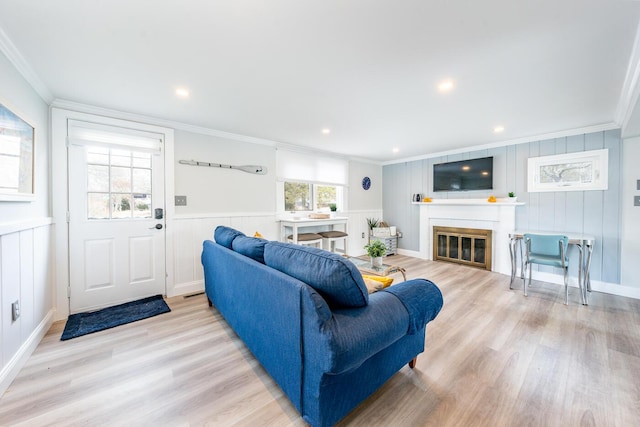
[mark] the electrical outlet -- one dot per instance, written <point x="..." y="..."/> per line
<point x="15" y="310"/>
<point x="180" y="201"/>
<point x="363" y="234"/>
<point x="636" y="200"/>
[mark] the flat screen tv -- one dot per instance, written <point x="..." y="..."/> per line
<point x="465" y="175"/>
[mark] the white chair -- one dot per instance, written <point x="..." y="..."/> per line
<point x="310" y="239"/>
<point x="329" y="239"/>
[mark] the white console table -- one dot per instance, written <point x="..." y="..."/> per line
<point x="298" y="223"/>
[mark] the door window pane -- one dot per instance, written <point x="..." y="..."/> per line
<point x="142" y="180"/>
<point x="98" y="205"/>
<point x="121" y="205"/>
<point x="115" y="188"/>
<point x="120" y="179"/>
<point x="141" y="206"/>
<point x="98" y="178"/>
<point x="121" y="157"/>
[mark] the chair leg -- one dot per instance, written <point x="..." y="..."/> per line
<point x="524" y="277"/>
<point x="566" y="286"/>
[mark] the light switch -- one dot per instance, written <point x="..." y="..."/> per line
<point x="638" y="184"/>
<point x="636" y="200"/>
<point x="181" y="200"/>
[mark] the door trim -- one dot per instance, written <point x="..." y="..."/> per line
<point x="60" y="197"/>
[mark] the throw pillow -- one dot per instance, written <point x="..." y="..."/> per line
<point x="224" y="235"/>
<point x="376" y="283"/>
<point x="250" y="247"/>
<point x="336" y="279"/>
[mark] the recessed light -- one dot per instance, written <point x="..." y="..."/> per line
<point x="326" y="131"/>
<point x="395" y="150"/>
<point x="498" y="129"/>
<point x="182" y="92"/>
<point x="445" y="86"/>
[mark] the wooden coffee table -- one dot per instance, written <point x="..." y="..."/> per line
<point x="384" y="270"/>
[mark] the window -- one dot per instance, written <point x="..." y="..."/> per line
<point x="302" y="196"/>
<point x="118" y="184"/>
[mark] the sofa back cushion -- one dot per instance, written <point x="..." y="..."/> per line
<point x="225" y="235"/>
<point x="332" y="276"/>
<point x="251" y="247"/>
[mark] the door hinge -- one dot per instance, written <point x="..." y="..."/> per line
<point x="68" y="216"/>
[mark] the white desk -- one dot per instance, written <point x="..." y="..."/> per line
<point x="296" y="224"/>
<point x="583" y="242"/>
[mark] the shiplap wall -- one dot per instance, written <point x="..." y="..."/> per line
<point x="590" y="212"/>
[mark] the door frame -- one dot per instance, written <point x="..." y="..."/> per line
<point x="60" y="195"/>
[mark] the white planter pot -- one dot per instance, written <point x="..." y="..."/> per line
<point x="376" y="261"/>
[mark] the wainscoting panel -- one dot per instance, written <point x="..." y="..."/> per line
<point x="26" y="271"/>
<point x="190" y="231"/>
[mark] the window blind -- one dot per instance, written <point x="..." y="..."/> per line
<point x="297" y="166"/>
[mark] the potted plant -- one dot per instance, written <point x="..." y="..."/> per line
<point x="512" y="196"/>
<point x="372" y="223"/>
<point x="376" y="250"/>
<point x="333" y="208"/>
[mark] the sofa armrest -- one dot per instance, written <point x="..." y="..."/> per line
<point x="422" y="299"/>
<point x="355" y="334"/>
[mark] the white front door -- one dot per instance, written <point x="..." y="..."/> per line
<point x="116" y="222"/>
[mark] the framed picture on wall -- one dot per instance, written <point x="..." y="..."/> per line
<point x="16" y="157"/>
<point x="586" y="170"/>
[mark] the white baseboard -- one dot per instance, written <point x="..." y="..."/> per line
<point x="406" y="252"/>
<point x="13" y="367"/>
<point x="597" y="286"/>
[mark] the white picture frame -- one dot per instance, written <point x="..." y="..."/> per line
<point x="580" y="171"/>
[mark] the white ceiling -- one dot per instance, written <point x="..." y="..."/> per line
<point x="283" y="70"/>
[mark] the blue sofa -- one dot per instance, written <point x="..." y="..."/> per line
<point x="305" y="314"/>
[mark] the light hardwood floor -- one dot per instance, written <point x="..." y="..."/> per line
<point x="493" y="358"/>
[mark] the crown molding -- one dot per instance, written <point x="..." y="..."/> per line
<point x="524" y="140"/>
<point x="140" y="118"/>
<point x="631" y="87"/>
<point x="15" y="57"/>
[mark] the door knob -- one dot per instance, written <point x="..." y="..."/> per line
<point x="156" y="227"/>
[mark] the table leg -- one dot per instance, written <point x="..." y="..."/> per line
<point x="581" y="273"/>
<point x="587" y="276"/>
<point x="512" y="254"/>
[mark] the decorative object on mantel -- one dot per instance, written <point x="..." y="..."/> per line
<point x="417" y="197"/>
<point x="256" y="169"/>
<point x="492" y="199"/>
<point x="427" y="200"/>
<point x="512" y="197"/>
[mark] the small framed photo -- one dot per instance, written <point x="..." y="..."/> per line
<point x="16" y="157"/>
<point x="581" y="171"/>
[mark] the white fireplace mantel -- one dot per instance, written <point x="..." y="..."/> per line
<point x="499" y="217"/>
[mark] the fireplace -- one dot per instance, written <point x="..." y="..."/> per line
<point x="467" y="246"/>
<point x="499" y="218"/>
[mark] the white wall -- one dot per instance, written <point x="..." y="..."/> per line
<point x="630" y="213"/>
<point x="244" y="201"/>
<point x="26" y="236"/>
<point x="214" y="190"/>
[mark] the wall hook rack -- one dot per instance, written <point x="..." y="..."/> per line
<point x="256" y="169"/>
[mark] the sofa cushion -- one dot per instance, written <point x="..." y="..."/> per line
<point x="249" y="246"/>
<point x="224" y="235"/>
<point x="332" y="276"/>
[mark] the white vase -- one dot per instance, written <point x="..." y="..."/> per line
<point x="513" y="199"/>
<point x="376" y="261"/>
